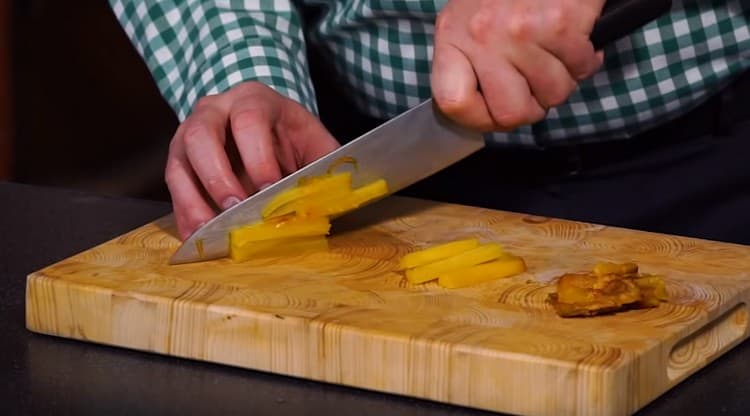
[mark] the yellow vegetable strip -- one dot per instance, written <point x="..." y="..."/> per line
<point x="295" y="227"/>
<point x="505" y="266"/>
<point x="438" y="252"/>
<point x="314" y="205"/>
<point x="335" y="202"/>
<point x="324" y="205"/>
<point x="278" y="247"/>
<point x="332" y="208"/>
<point x="469" y="258"/>
<point x="371" y="191"/>
<point x="317" y="185"/>
<point x="357" y="198"/>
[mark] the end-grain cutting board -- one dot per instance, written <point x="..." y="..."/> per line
<point x="348" y="317"/>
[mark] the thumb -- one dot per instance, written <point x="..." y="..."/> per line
<point x="455" y="88"/>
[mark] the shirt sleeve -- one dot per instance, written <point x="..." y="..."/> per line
<point x="198" y="48"/>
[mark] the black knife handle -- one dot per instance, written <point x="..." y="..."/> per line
<point x="621" y="17"/>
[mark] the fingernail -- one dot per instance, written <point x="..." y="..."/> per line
<point x="230" y="202"/>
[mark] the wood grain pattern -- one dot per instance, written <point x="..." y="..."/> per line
<point x="348" y="317"/>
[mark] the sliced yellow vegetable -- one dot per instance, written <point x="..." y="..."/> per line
<point x="438" y="252"/>
<point x="324" y="184"/>
<point x="472" y="257"/>
<point x="371" y="191"/>
<point x="299" y="218"/>
<point x="315" y="205"/>
<point x="336" y="202"/>
<point x="505" y="266"/>
<point x="293" y="227"/>
<point x="278" y="247"/>
<point x="323" y="205"/>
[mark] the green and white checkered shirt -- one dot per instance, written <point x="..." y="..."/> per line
<point x="383" y="48"/>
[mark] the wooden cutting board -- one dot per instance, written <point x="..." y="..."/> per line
<point x="348" y="317"/>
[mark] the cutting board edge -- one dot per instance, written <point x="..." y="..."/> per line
<point x="612" y="377"/>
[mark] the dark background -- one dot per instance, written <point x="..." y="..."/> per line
<point x="79" y="109"/>
<point x="85" y="111"/>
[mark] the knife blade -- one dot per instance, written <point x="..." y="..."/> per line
<point x="404" y="150"/>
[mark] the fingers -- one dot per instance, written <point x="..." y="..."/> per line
<point x="507" y="93"/>
<point x="577" y="54"/>
<point x="204" y="138"/>
<point x="272" y="135"/>
<point x="454" y="86"/>
<point x="190" y="209"/>
<point x="563" y="30"/>
<point x="252" y="123"/>
<point x="547" y="77"/>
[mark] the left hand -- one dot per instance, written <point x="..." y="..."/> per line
<point x="499" y="64"/>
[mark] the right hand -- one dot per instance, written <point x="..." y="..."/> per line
<point x="273" y="135"/>
<point x="501" y="64"/>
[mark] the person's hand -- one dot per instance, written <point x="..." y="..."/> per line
<point x="499" y="64"/>
<point x="272" y="136"/>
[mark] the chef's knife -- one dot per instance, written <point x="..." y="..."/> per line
<point x="404" y="150"/>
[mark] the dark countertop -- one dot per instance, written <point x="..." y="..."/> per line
<point x="47" y="375"/>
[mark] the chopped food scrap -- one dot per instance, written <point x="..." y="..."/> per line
<point x="609" y="288"/>
<point x="298" y="219"/>
<point x="460" y="263"/>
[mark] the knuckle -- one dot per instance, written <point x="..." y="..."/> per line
<point x="249" y="88"/>
<point x="213" y="183"/>
<point x="174" y="146"/>
<point x="558" y="20"/>
<point x="204" y="103"/>
<point x="248" y="118"/>
<point x="195" y="133"/>
<point x="170" y="175"/>
<point x="443" y="21"/>
<point x="520" y="27"/>
<point x="482" y="23"/>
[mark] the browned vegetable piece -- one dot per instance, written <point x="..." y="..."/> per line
<point x="608" y="288"/>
